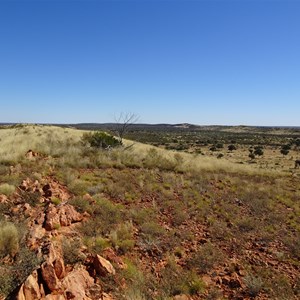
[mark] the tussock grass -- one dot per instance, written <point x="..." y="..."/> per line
<point x="7" y="189"/>
<point x="194" y="163"/>
<point x="64" y="144"/>
<point x="48" y="140"/>
<point x="9" y="239"/>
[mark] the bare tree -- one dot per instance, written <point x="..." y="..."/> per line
<point x="122" y="123"/>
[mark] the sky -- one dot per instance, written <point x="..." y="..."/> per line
<point x="214" y="62"/>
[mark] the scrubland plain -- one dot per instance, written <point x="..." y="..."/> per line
<point x="171" y="220"/>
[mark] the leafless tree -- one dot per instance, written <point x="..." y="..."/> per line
<point x="122" y="123"/>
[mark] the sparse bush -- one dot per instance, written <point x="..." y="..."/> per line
<point x="7" y="283"/>
<point x="105" y="216"/>
<point x="134" y="277"/>
<point x="80" y="204"/>
<point x="254" y="285"/>
<point x="7" y="189"/>
<point x="9" y="239"/>
<point x="258" y="151"/>
<point x="100" y="139"/>
<point x="71" y="251"/>
<point x="205" y="258"/>
<point x="100" y="244"/>
<point x="26" y="262"/>
<point x="246" y="224"/>
<point x="231" y="147"/>
<point x="152" y="229"/>
<point x="122" y="237"/>
<point x="284" y="151"/>
<point x="293" y="245"/>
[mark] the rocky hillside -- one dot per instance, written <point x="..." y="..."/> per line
<point x="84" y="223"/>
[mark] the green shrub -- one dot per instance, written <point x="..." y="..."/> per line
<point x="206" y="258"/>
<point x="254" y="285"/>
<point x="122" y="237"/>
<point x="9" y="239"/>
<point x="105" y="216"/>
<point x="7" y="189"/>
<point x="6" y="281"/>
<point x="99" y="139"/>
<point x="26" y="262"/>
<point x="71" y="251"/>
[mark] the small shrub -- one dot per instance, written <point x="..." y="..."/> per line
<point x="105" y="216"/>
<point x="100" y="139"/>
<point x="9" y="239"/>
<point x="122" y="237"/>
<point x="231" y="147"/>
<point x="193" y="284"/>
<point x="71" y="251"/>
<point x="246" y="224"/>
<point x="80" y="204"/>
<point x="152" y="229"/>
<point x="7" y="189"/>
<point x="254" y="285"/>
<point x="55" y="200"/>
<point x="100" y="244"/>
<point x="26" y="262"/>
<point x="134" y="277"/>
<point x="206" y="258"/>
<point x="6" y="281"/>
<point x="258" y="151"/>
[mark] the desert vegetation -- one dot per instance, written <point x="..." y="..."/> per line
<point x="163" y="220"/>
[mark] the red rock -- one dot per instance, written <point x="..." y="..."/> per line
<point x="30" y="289"/>
<point x="63" y="215"/>
<point x="110" y="255"/>
<point x="106" y="296"/>
<point x="76" y="284"/>
<point x="54" y="297"/>
<point x="49" y="276"/>
<point x="59" y="268"/>
<point x="102" y="266"/>
<point x="3" y="199"/>
<point x="181" y="297"/>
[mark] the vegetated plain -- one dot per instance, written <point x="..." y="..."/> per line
<point x="201" y="213"/>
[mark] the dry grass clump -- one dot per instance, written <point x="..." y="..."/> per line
<point x="153" y="157"/>
<point x="48" y="140"/>
<point x="9" y="239"/>
<point x="7" y="189"/>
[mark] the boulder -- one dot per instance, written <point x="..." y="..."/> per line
<point x="59" y="268"/>
<point x="49" y="276"/>
<point x="102" y="266"/>
<point x="30" y="289"/>
<point x="76" y="284"/>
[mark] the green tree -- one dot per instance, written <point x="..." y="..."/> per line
<point x="231" y="147"/>
<point x="100" y="139"/>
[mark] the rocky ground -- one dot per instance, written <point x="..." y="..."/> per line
<point x="205" y="238"/>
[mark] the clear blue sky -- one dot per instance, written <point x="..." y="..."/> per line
<point x="203" y="62"/>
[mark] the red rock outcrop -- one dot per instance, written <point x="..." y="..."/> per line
<point x="62" y="215"/>
<point x="76" y="284"/>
